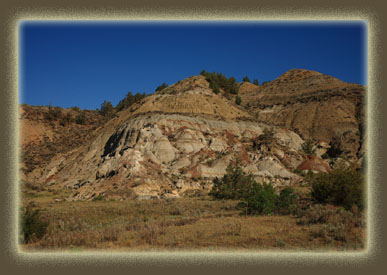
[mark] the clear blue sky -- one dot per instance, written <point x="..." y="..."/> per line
<point x="82" y="64"/>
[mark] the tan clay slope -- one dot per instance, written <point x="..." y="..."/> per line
<point x="311" y="103"/>
<point x="40" y="138"/>
<point x="191" y="96"/>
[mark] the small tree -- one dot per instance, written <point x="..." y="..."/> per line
<point x="235" y="184"/>
<point x="255" y="82"/>
<point x="238" y="100"/>
<point x="266" y="138"/>
<point x="343" y="187"/>
<point x="161" y="87"/>
<point x="32" y="224"/>
<point x="246" y="79"/>
<point x="308" y="147"/>
<point x="261" y="200"/>
<point x="107" y="109"/>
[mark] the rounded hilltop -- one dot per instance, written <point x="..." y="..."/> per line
<point x="192" y="95"/>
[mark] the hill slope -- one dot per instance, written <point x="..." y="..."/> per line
<point x="179" y="139"/>
<point x="314" y="105"/>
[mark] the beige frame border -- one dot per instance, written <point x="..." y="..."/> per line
<point x="220" y="258"/>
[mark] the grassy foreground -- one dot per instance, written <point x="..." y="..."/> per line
<point x="196" y="223"/>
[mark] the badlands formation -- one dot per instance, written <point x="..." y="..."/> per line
<point x="176" y="141"/>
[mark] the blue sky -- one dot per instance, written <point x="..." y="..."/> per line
<point x="82" y="64"/>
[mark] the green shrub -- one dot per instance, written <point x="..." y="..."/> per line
<point x="261" y="200"/>
<point x="286" y="201"/>
<point x="32" y="225"/>
<point x="99" y="197"/>
<point x="246" y="79"/>
<point x="325" y="156"/>
<point x="343" y="187"/>
<point x="255" y="82"/>
<point x="218" y="80"/>
<point x="161" y="87"/>
<point x="107" y="109"/>
<point x="235" y="184"/>
<point x="238" y="100"/>
<point x="266" y="138"/>
<point x="129" y="100"/>
<point x="81" y="118"/>
<point x="330" y="222"/>
<point x="308" y="147"/>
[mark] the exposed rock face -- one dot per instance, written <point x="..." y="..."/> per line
<point x="164" y="154"/>
<point x="181" y="138"/>
<point x="313" y="105"/>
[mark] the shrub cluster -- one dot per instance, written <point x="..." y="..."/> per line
<point x="218" y="80"/>
<point x="67" y="119"/>
<point x="308" y="147"/>
<point x="256" y="199"/>
<point x="266" y="138"/>
<point x="246" y="79"/>
<point x="161" y="87"/>
<point x="80" y="118"/>
<point x="129" y="100"/>
<point x="343" y="187"/>
<point x="32" y="224"/>
<point x="235" y="184"/>
<point x="332" y="223"/>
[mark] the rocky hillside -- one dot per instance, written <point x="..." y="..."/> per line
<point x="179" y="139"/>
<point x="48" y="131"/>
<point x="315" y="106"/>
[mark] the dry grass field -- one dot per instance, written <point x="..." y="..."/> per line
<point x="191" y="223"/>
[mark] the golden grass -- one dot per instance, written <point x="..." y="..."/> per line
<point x="199" y="223"/>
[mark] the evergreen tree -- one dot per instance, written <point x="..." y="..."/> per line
<point x="246" y="79"/>
<point x="107" y="109"/>
<point x="238" y="100"/>
<point x="161" y="87"/>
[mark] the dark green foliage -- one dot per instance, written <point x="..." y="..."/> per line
<point x="76" y="108"/>
<point x="215" y="87"/>
<point x="266" y="138"/>
<point x="261" y="200"/>
<point x="129" y="100"/>
<point x="343" y="187"/>
<point x="238" y="100"/>
<point x="107" y="109"/>
<point x="325" y="156"/>
<point x="235" y="184"/>
<point x="32" y="224"/>
<point x="255" y="82"/>
<point x="286" y="201"/>
<point x="161" y="87"/>
<point x="81" y="119"/>
<point x="334" y="151"/>
<point x="218" y="80"/>
<point x="98" y="198"/>
<point x="255" y="198"/>
<point x="246" y="79"/>
<point x="308" y="147"/>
